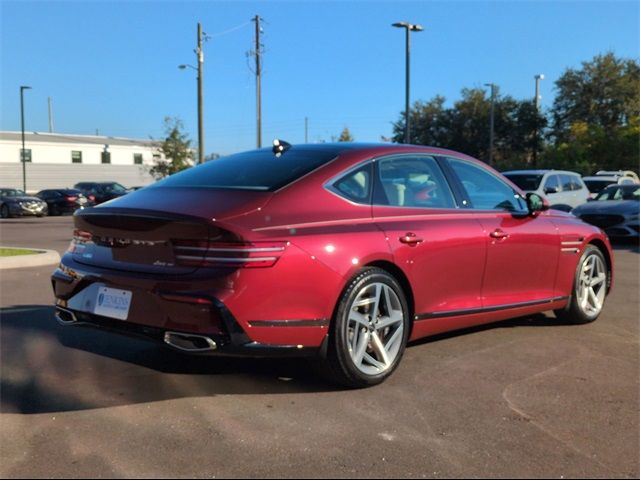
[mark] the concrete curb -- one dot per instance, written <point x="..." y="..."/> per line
<point x="42" y="258"/>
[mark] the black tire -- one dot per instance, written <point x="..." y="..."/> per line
<point x="573" y="312"/>
<point x="4" y="211"/>
<point x="338" y="365"/>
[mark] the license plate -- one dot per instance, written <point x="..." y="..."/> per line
<point x="83" y="201"/>
<point x="113" y="303"/>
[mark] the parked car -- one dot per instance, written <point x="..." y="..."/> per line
<point x="616" y="210"/>
<point x="597" y="183"/>
<point x="344" y="252"/>
<point x="563" y="190"/>
<point x="64" y="200"/>
<point x="16" y="203"/>
<point x="102" y="191"/>
<point x="620" y="173"/>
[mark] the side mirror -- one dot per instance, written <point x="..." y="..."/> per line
<point x="549" y="190"/>
<point x="536" y="203"/>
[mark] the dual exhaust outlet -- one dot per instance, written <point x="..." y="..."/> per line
<point x="185" y="342"/>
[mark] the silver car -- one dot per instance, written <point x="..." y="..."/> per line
<point x="616" y="210"/>
<point x="563" y="190"/>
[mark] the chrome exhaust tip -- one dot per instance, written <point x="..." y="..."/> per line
<point x="65" y="317"/>
<point x="189" y="343"/>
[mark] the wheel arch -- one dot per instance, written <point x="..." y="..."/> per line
<point x="397" y="273"/>
<point x="600" y="245"/>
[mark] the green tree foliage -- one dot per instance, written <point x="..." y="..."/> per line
<point x="465" y="126"/>
<point x="594" y="122"/>
<point x="596" y="116"/>
<point x="175" y="150"/>
<point x="345" y="136"/>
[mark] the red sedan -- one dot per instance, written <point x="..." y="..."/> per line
<point x="343" y="252"/>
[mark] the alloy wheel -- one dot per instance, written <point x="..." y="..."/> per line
<point x="375" y="328"/>
<point x="591" y="288"/>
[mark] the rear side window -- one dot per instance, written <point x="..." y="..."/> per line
<point x="256" y="170"/>
<point x="412" y="181"/>
<point x="355" y="186"/>
<point x="485" y="190"/>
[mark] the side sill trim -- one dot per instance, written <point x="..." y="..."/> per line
<point x="495" y="308"/>
<point x="319" y="322"/>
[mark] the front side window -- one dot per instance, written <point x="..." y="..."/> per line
<point x="355" y="186"/>
<point x="412" y="181"/>
<point x="552" y="185"/>
<point x="485" y="190"/>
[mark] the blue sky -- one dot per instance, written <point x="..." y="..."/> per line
<point x="112" y="66"/>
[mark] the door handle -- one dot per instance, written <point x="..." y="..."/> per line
<point x="498" y="234"/>
<point x="410" y="239"/>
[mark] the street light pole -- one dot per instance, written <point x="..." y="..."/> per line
<point x="200" y="55"/>
<point x="536" y="134"/>
<point x="491" y="120"/>
<point x="258" y="84"/>
<point x="409" y="28"/>
<point x="23" y="153"/>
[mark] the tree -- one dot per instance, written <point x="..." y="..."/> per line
<point x="175" y="150"/>
<point x="596" y="116"/>
<point x="345" y="136"/>
<point x="465" y="126"/>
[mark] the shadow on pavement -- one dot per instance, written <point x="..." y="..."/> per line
<point x="39" y="376"/>
<point x="50" y="368"/>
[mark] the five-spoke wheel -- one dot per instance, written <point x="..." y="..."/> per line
<point x="369" y="331"/>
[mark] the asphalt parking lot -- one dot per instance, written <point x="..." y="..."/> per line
<point x="524" y="398"/>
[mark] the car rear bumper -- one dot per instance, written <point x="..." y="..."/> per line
<point x="183" y="310"/>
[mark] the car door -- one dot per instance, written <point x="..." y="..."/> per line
<point x="438" y="246"/>
<point x="522" y="249"/>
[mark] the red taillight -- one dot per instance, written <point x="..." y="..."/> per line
<point x="79" y="241"/>
<point x="91" y="197"/>
<point x="71" y="199"/>
<point x="230" y="255"/>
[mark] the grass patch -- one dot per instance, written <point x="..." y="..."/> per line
<point x="12" y="252"/>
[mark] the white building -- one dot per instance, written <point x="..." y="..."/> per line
<point x="55" y="160"/>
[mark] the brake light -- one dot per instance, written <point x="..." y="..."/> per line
<point x="79" y="240"/>
<point x="230" y="255"/>
<point x="72" y="199"/>
<point x="91" y="197"/>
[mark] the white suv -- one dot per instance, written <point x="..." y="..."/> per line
<point x="564" y="190"/>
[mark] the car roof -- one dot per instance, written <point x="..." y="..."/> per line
<point x="602" y="178"/>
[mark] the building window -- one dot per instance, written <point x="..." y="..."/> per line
<point x="137" y="158"/>
<point x="76" y="156"/>
<point x="106" y="157"/>
<point x="25" y="155"/>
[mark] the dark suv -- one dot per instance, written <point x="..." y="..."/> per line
<point x="102" y="191"/>
<point x="64" y="200"/>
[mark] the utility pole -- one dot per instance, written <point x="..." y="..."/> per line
<point x="23" y="153"/>
<point x="200" y="55"/>
<point x="536" y="133"/>
<point x="258" y="84"/>
<point x="306" y="129"/>
<point x="491" y="121"/>
<point x="407" y="113"/>
<point x="50" y="115"/>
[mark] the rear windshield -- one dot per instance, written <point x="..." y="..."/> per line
<point x="596" y="186"/>
<point x="255" y="170"/>
<point x="525" y="181"/>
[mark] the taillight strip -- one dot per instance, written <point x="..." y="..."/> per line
<point x="227" y="259"/>
<point x="235" y="250"/>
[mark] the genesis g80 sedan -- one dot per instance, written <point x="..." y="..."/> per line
<point x="344" y="252"/>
